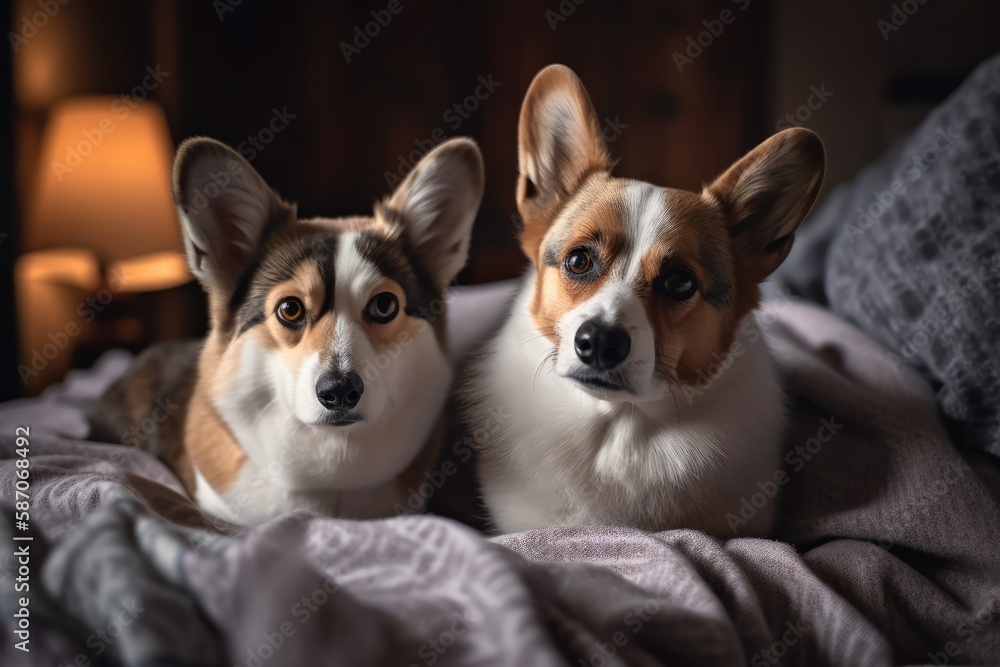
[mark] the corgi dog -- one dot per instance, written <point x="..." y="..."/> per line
<point x="633" y="292"/>
<point x="322" y="383"/>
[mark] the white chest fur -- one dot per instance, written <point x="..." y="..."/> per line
<point x="338" y="471"/>
<point x="559" y="456"/>
<point x="254" y="498"/>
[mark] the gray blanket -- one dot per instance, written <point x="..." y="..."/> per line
<point x="888" y="553"/>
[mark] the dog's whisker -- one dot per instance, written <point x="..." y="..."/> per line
<point x="677" y="408"/>
<point x="683" y="366"/>
<point x="531" y="339"/>
<point x="548" y="357"/>
<point x="262" y="411"/>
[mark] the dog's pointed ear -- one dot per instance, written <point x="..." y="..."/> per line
<point x="225" y="209"/>
<point x="558" y="143"/>
<point x="767" y="194"/>
<point x="437" y="205"/>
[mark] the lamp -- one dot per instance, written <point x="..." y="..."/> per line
<point x="103" y="180"/>
<point x="100" y="213"/>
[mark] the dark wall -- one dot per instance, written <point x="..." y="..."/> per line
<point x="334" y="102"/>
<point x="9" y="381"/>
<point x="357" y="121"/>
<point x="352" y="124"/>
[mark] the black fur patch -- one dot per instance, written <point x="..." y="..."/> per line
<point x="398" y="260"/>
<point x="283" y="256"/>
<point x="552" y="254"/>
<point x="277" y="224"/>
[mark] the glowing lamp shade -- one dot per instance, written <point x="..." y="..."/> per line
<point x="100" y="213"/>
<point x="103" y="181"/>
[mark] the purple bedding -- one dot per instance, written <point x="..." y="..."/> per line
<point x="888" y="551"/>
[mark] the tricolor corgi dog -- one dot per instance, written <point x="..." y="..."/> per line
<point x="633" y="291"/>
<point x="322" y="382"/>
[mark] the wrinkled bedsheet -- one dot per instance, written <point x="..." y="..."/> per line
<point x="888" y="552"/>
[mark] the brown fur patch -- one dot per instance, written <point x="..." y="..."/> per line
<point x="212" y="447"/>
<point x="766" y="194"/>
<point x="688" y="334"/>
<point x="147" y="407"/>
<point x="554" y="297"/>
<point x="559" y="148"/>
<point x="592" y="220"/>
<point x="686" y="337"/>
<point x="731" y="235"/>
<point x="296" y="344"/>
<point x="210" y="444"/>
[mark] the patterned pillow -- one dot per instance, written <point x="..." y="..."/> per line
<point x="914" y="258"/>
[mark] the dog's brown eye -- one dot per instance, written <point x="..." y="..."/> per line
<point x="290" y="310"/>
<point x="579" y="261"/>
<point x="678" y="283"/>
<point x="383" y="308"/>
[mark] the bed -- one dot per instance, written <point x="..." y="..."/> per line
<point x="887" y="549"/>
<point x="886" y="552"/>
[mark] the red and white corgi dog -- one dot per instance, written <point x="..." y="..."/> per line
<point x="634" y="290"/>
<point x="322" y="382"/>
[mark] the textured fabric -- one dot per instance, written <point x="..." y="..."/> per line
<point x="910" y="252"/>
<point x="888" y="552"/>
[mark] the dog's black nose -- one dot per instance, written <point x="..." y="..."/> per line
<point x="601" y="346"/>
<point x="339" y="391"/>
